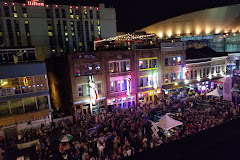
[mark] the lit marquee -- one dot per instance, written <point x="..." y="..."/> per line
<point x="35" y="3"/>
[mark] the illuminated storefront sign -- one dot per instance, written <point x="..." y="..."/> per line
<point x="35" y="3"/>
<point x="93" y="90"/>
<point x="196" y="38"/>
<point x="128" y="86"/>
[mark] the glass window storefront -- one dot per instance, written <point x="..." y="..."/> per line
<point x="42" y="103"/>
<point x="30" y="104"/>
<point x="16" y="106"/>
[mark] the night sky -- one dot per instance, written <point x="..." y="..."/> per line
<point x="136" y="14"/>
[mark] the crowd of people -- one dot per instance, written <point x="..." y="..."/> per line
<point x="125" y="132"/>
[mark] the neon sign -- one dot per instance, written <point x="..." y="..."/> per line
<point x="35" y="3"/>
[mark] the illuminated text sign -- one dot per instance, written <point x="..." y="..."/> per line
<point x="35" y="3"/>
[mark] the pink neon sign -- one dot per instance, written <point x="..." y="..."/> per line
<point x="35" y="3"/>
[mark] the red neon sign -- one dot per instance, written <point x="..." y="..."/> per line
<point x="35" y="3"/>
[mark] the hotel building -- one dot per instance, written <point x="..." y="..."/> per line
<point x="54" y="28"/>
<point x="24" y="92"/>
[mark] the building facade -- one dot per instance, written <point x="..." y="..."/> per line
<point x="120" y="78"/>
<point x="54" y="28"/>
<point x="24" y="92"/>
<point x="173" y="56"/>
<point x="88" y="84"/>
<point x="206" y="73"/>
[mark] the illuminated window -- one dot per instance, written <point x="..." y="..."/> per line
<point x="173" y="78"/>
<point x="99" y="33"/>
<point x="67" y="39"/>
<point x="90" y="68"/>
<point x="80" y="43"/>
<point x="179" y="76"/>
<point x="118" y="86"/>
<point x="87" y="90"/>
<point x="98" y="23"/>
<point x="25" y="15"/>
<point x="145" y="64"/>
<point x="178" y="60"/>
<point x="66" y="33"/>
<point x="73" y="34"/>
<point x="112" y="88"/>
<point x="50" y="28"/>
<point x="111" y="68"/>
<point x="97" y="68"/>
<point x="50" y="34"/>
<point x="26" y="22"/>
<point x="1" y="34"/>
<point x="140" y="64"/>
<point x="15" y="15"/>
<point x="174" y="60"/>
<point x="71" y="16"/>
<point x="85" y="14"/>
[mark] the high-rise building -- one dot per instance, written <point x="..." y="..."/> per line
<point x="54" y="28"/>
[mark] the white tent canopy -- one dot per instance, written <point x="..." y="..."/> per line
<point x="215" y="92"/>
<point x="167" y="122"/>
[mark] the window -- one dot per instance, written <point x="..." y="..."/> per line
<point x="191" y="74"/>
<point x="200" y="73"/>
<point x="112" y="86"/>
<point x="154" y="65"/>
<point x="147" y="82"/>
<point x="119" y="66"/>
<point x="71" y="13"/>
<point x="91" y="14"/>
<point x="48" y="13"/>
<point x="166" y="61"/>
<point x="174" y="60"/>
<point x="178" y="60"/>
<point x="212" y="70"/>
<point x="6" y="10"/>
<point x="166" y="78"/>
<point x="63" y="13"/>
<point x="4" y="109"/>
<point x="111" y="68"/>
<point x="204" y="72"/>
<point x="99" y="88"/>
<point x="127" y="65"/>
<point x="57" y="13"/>
<point x="77" y="70"/>
<point x="85" y="69"/>
<point x="179" y="76"/>
<point x="207" y="71"/>
<point x="141" y="81"/>
<point x="97" y="14"/>
<point x="90" y="68"/>
<point x="77" y="14"/>
<point x="85" y="14"/>
<point x="14" y="9"/>
<point x="145" y="64"/>
<point x="173" y="78"/>
<point x="97" y="68"/>
<point x="195" y="74"/>
<point x="217" y="69"/>
<point x="140" y="64"/>
<point x="80" y="90"/>
<point x="87" y="90"/>
<point x="16" y="106"/>
<point x="118" y="86"/>
<point x="223" y="69"/>
<point x="24" y="10"/>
